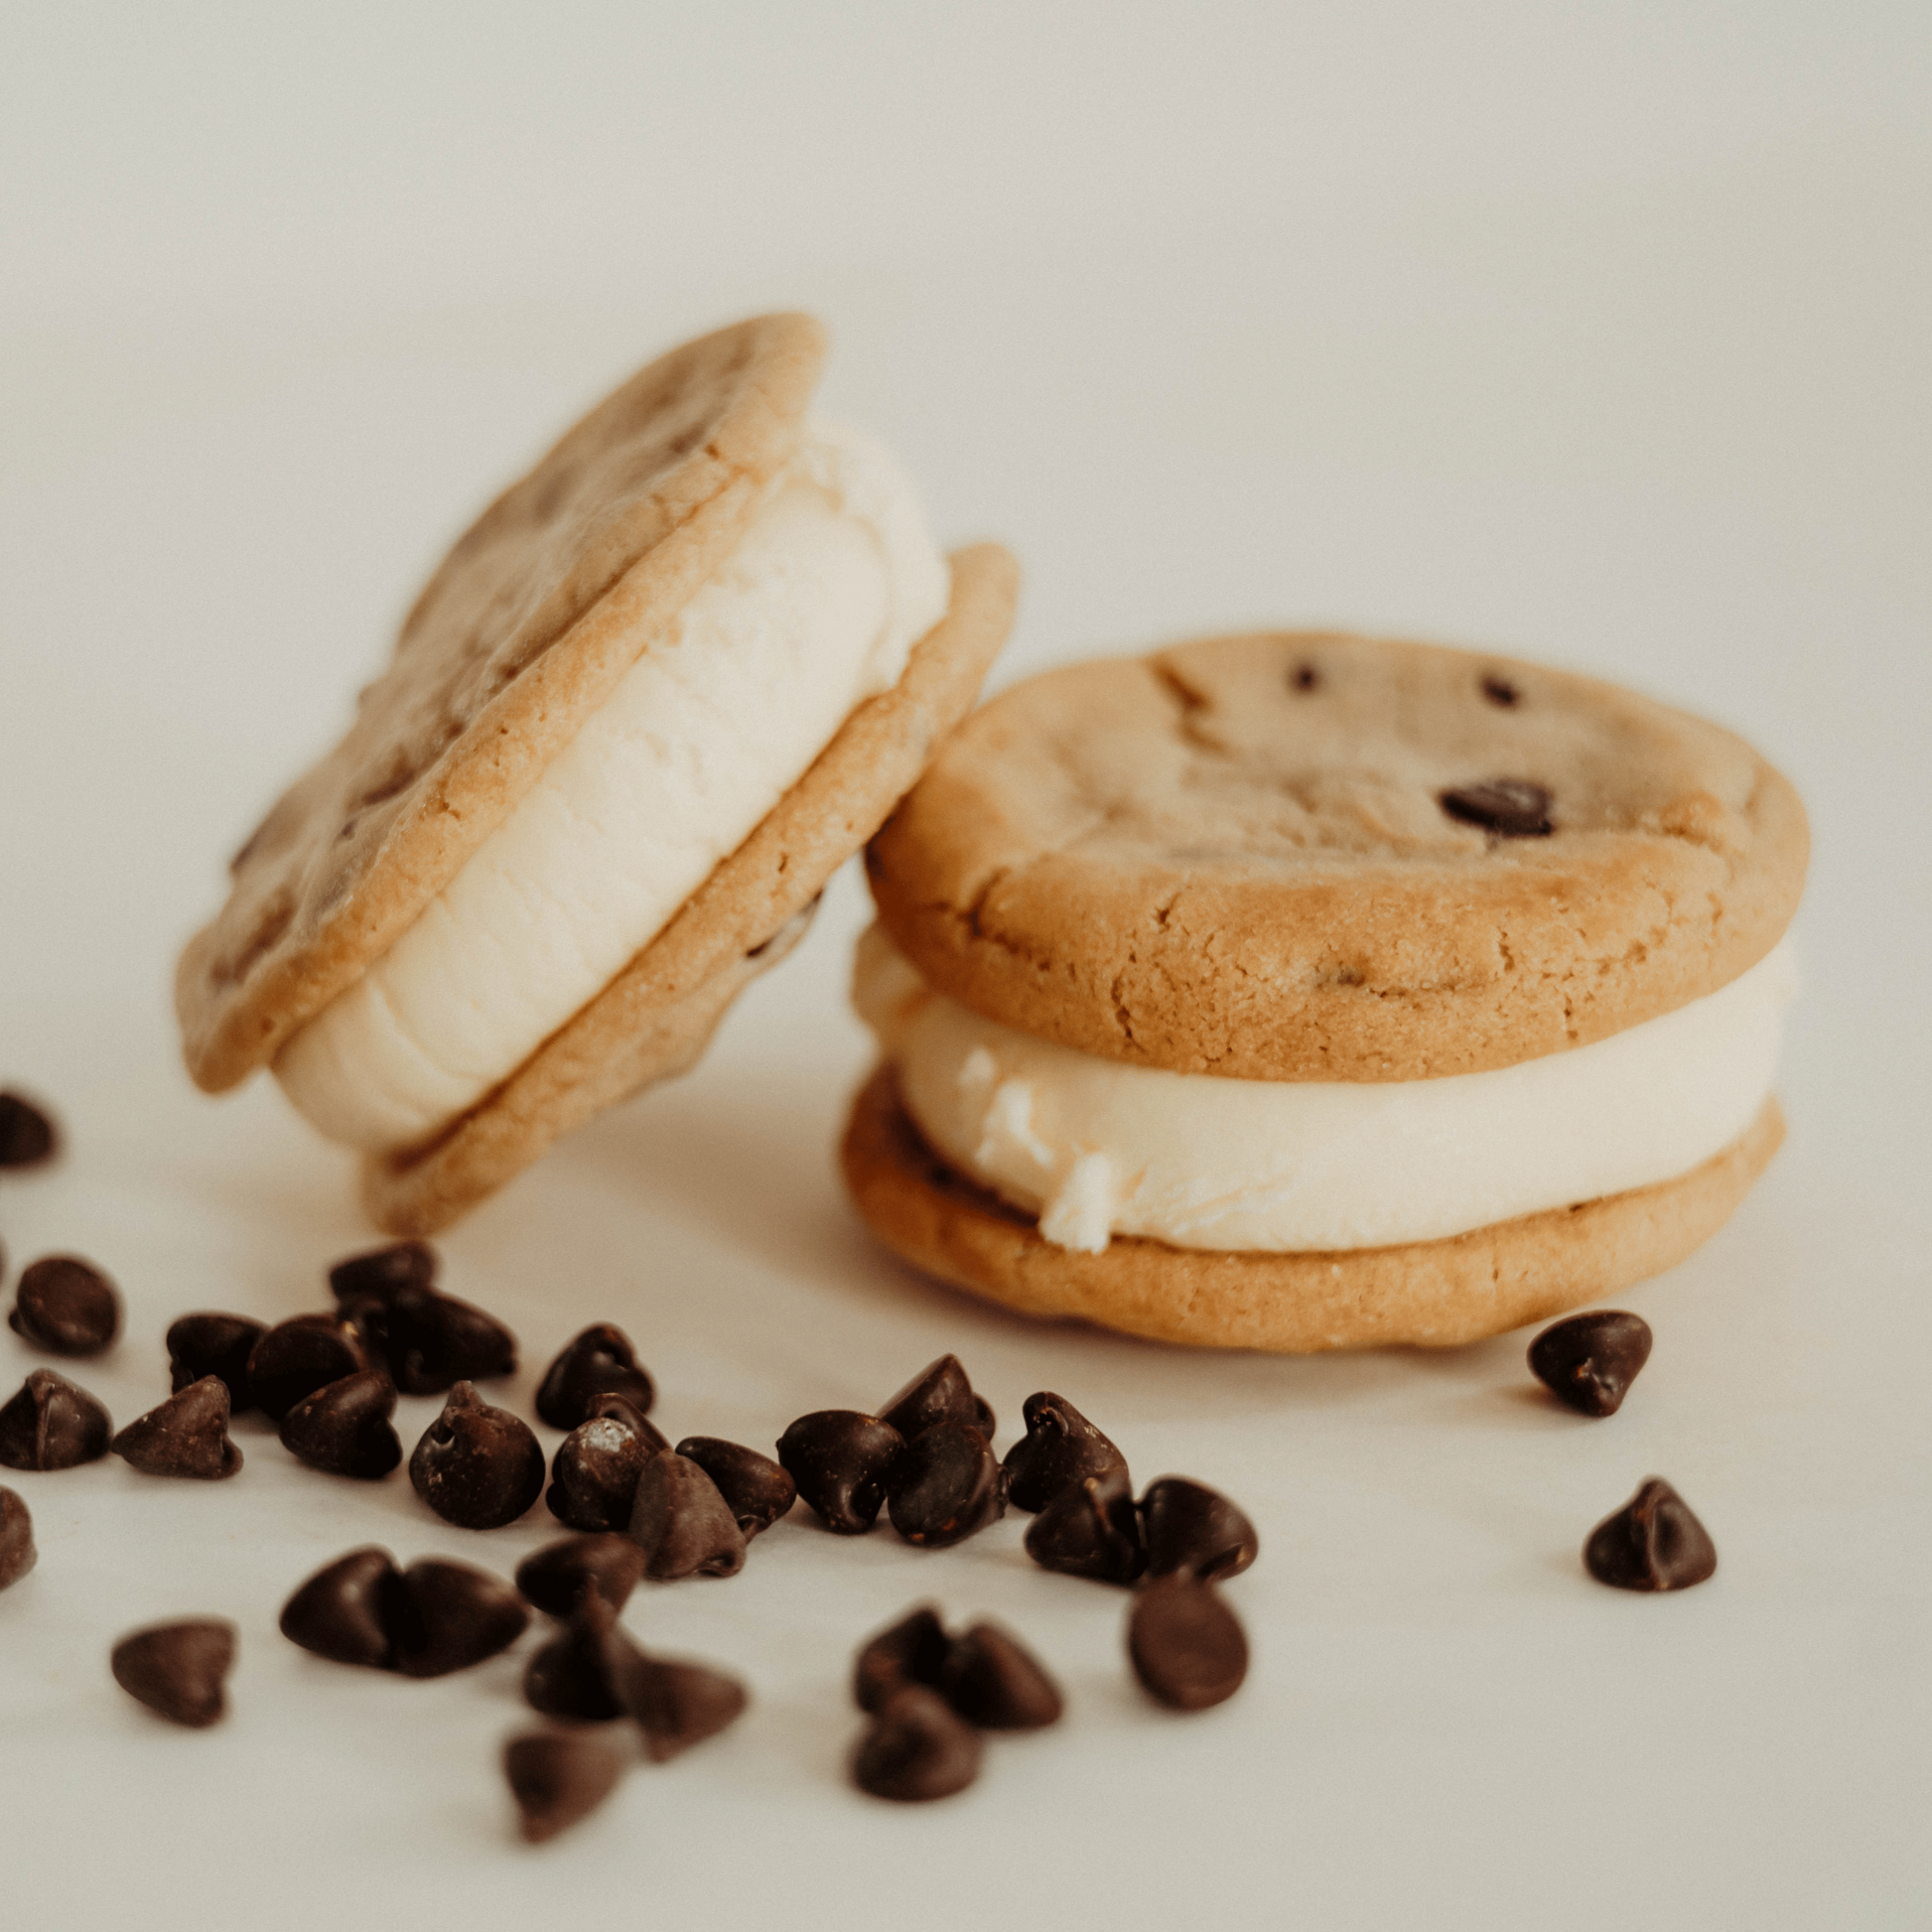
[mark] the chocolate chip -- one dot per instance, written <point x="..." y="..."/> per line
<point x="380" y="1270"/>
<point x="347" y="1610"/>
<point x="558" y="1778"/>
<point x="66" y="1305"/>
<point x="52" y="1425"/>
<point x="428" y="1620"/>
<point x="1191" y="1527"/>
<point x="840" y="1459"/>
<point x="1512" y="808"/>
<point x="1652" y="1543"/>
<point x="917" y="1748"/>
<point x="298" y="1356"/>
<point x="939" y="1393"/>
<point x="215" y="1345"/>
<point x="684" y="1527"/>
<point x="17" y="1551"/>
<point x="343" y="1430"/>
<point x="911" y="1651"/>
<point x="430" y="1342"/>
<point x="1060" y="1449"/>
<point x="594" y="1479"/>
<point x="185" y="1435"/>
<point x="560" y="1575"/>
<point x="600" y="1361"/>
<point x="576" y="1674"/>
<point x="179" y="1670"/>
<point x="449" y="1617"/>
<point x="27" y="1135"/>
<point x="1499" y="691"/>
<point x="477" y="1467"/>
<point x="1304" y="677"/>
<point x="676" y="1703"/>
<point x="946" y="1486"/>
<point x="994" y="1681"/>
<point x="1187" y="1646"/>
<point x="1091" y="1529"/>
<point x="1589" y="1360"/>
<point x="758" y="1489"/>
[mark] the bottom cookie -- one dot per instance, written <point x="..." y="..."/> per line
<point x="1435" y="1294"/>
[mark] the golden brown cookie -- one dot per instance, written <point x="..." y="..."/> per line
<point x="1431" y="1293"/>
<point x="655" y="1017"/>
<point x="1296" y="855"/>
<point x="542" y="605"/>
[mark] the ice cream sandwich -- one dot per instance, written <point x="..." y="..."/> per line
<point x="1307" y="991"/>
<point x="650" y="701"/>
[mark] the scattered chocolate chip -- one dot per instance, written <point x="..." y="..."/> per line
<point x="911" y="1651"/>
<point x="557" y="1778"/>
<point x="1187" y="1646"/>
<point x="17" y="1551"/>
<point x="946" y="1486"/>
<point x="1499" y="691"/>
<point x="178" y="1670"/>
<point x="347" y="1610"/>
<point x="560" y="1574"/>
<point x="676" y="1703"/>
<point x="939" y="1393"/>
<point x="431" y="1341"/>
<point x="185" y="1435"/>
<point x="757" y="1489"/>
<point x="684" y="1527"/>
<point x="1090" y="1529"/>
<point x="1589" y="1361"/>
<point x="447" y="1617"/>
<point x="917" y="1748"/>
<point x="1304" y="677"/>
<point x="27" y="1135"/>
<point x="52" y="1425"/>
<point x="1191" y="1527"/>
<point x="1652" y="1543"/>
<point x="576" y="1674"/>
<point x="378" y="1272"/>
<point x="298" y="1356"/>
<point x="343" y="1429"/>
<point x="1060" y="1449"/>
<point x="840" y="1459"/>
<point x="477" y="1467"/>
<point x="66" y="1305"/>
<point x="1512" y="808"/>
<point x="600" y="1361"/>
<point x="593" y="1477"/>
<point x="994" y="1681"/>
<point x="215" y="1345"/>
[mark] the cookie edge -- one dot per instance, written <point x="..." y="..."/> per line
<point x="1427" y="1294"/>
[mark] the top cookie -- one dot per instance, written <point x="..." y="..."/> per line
<point x="1303" y="856"/>
<point x="540" y="607"/>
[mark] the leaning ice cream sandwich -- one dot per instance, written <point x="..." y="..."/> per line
<point x="1306" y="991"/>
<point x="651" y="700"/>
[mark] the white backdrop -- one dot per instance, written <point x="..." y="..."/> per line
<point x="1596" y="335"/>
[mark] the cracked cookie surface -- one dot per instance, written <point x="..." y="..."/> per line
<point x="1293" y="856"/>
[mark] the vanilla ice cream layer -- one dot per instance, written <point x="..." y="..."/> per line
<point x="1097" y="1149"/>
<point x="816" y="609"/>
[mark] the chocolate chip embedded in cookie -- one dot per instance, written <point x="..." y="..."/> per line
<point x="1312" y="992"/>
<point x="662" y="688"/>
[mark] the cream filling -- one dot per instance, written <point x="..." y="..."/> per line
<point x="1096" y="1149"/>
<point x="816" y="609"/>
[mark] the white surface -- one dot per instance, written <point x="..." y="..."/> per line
<point x="815" y="611"/>
<point x="1098" y="1148"/>
<point x="1596" y="337"/>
